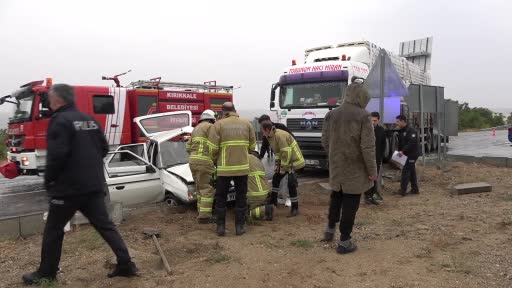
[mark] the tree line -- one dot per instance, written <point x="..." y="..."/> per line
<point x="480" y="118"/>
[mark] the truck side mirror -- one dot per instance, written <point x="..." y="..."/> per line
<point x="272" y="105"/>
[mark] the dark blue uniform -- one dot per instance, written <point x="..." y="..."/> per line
<point x="75" y="181"/>
<point x="408" y="143"/>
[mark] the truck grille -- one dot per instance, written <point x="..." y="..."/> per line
<point x="314" y="124"/>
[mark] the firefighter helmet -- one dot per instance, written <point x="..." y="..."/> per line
<point x="207" y="115"/>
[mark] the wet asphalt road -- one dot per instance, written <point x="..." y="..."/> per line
<point x="25" y="194"/>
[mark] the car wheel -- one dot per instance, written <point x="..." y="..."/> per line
<point x="172" y="200"/>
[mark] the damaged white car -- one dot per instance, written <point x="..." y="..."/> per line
<point x="157" y="170"/>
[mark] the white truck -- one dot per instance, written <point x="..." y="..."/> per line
<point x="308" y="91"/>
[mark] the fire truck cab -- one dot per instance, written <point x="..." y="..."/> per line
<point x="113" y="107"/>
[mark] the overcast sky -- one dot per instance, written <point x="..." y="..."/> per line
<point x="248" y="44"/>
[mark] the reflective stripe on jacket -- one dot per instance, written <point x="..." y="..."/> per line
<point x="258" y="187"/>
<point x="198" y="145"/>
<point x="231" y="140"/>
<point x="288" y="154"/>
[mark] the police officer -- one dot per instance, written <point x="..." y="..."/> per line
<point x="201" y="165"/>
<point x="74" y="181"/>
<point x="231" y="140"/>
<point x="288" y="160"/>
<point x="258" y="190"/>
<point x="265" y="146"/>
<point x="408" y="146"/>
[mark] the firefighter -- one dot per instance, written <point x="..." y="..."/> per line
<point x="231" y="140"/>
<point x="288" y="158"/>
<point x="74" y="181"/>
<point x="408" y="146"/>
<point x="265" y="146"/>
<point x="201" y="165"/>
<point x="258" y="190"/>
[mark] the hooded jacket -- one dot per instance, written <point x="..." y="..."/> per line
<point x="349" y="139"/>
<point x="231" y="139"/>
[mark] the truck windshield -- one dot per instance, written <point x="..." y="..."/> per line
<point x="22" y="110"/>
<point x="173" y="153"/>
<point x="307" y="95"/>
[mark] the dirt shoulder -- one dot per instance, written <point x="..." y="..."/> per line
<point x="435" y="239"/>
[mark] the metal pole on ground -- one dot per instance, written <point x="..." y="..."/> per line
<point x="438" y="123"/>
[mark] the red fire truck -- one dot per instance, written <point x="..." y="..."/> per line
<point x="113" y="107"/>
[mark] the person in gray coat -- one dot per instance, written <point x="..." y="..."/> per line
<point x="349" y="140"/>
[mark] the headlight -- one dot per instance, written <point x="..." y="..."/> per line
<point x="191" y="191"/>
<point x="24" y="161"/>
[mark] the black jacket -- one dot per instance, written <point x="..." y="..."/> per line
<point x="380" y="143"/>
<point x="265" y="145"/>
<point x="76" y="148"/>
<point x="408" y="142"/>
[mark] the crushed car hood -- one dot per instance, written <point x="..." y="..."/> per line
<point x="182" y="171"/>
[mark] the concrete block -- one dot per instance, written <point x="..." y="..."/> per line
<point x="495" y="161"/>
<point x="9" y="228"/>
<point x="469" y="188"/>
<point x="31" y="224"/>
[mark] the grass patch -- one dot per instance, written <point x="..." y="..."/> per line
<point x="48" y="283"/>
<point x="218" y="257"/>
<point x="507" y="198"/>
<point x="306" y="244"/>
<point x="89" y="239"/>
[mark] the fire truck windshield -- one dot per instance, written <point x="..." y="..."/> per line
<point x="312" y="95"/>
<point x="23" y="109"/>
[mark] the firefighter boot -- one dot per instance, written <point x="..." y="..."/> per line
<point x="269" y="212"/>
<point x="221" y="221"/>
<point x="240" y="221"/>
<point x="273" y="198"/>
<point x="295" y="209"/>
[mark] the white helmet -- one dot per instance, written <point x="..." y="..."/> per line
<point x="207" y="115"/>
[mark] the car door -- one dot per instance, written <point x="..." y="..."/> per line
<point x="131" y="180"/>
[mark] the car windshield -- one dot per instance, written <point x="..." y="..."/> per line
<point x="173" y="153"/>
<point x="23" y="109"/>
<point x="321" y="94"/>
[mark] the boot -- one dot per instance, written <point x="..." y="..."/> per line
<point x="400" y="193"/>
<point x="377" y="196"/>
<point x="273" y="198"/>
<point x="35" y="278"/>
<point x="328" y="234"/>
<point x="240" y="221"/>
<point x="124" y="270"/>
<point x="221" y="221"/>
<point x="269" y="212"/>
<point x="368" y="200"/>
<point x="295" y="209"/>
<point x="345" y="247"/>
<point x="414" y="191"/>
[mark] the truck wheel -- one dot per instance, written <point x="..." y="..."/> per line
<point x="427" y="142"/>
<point x="434" y="143"/>
<point x="387" y="152"/>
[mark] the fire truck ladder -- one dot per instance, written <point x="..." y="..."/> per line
<point x="155" y="83"/>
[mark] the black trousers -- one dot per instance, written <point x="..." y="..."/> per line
<point x="409" y="174"/>
<point x="346" y="205"/>
<point x="221" y="194"/>
<point x="60" y="212"/>
<point x="292" y="187"/>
